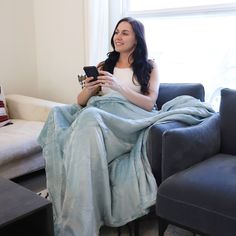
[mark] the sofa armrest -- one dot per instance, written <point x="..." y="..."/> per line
<point x="29" y="108"/>
<point x="154" y="145"/>
<point x="185" y="147"/>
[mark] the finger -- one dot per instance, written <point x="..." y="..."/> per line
<point x="103" y="72"/>
<point x="91" y="86"/>
<point x="89" y="79"/>
<point x="105" y="78"/>
<point x="102" y="79"/>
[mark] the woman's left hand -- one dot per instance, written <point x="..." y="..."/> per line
<point x="108" y="80"/>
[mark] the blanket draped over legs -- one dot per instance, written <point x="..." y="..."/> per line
<point x="96" y="164"/>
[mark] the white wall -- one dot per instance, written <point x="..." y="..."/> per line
<point x="17" y="47"/>
<point x="60" y="50"/>
<point x="41" y="48"/>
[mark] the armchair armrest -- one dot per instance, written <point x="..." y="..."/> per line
<point x="185" y="147"/>
<point x="29" y="108"/>
<point x="154" y="145"/>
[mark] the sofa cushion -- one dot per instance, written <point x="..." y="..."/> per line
<point x="4" y="119"/>
<point x="29" y="108"/>
<point x="19" y="140"/>
<point x="204" y="194"/>
<point x="169" y="91"/>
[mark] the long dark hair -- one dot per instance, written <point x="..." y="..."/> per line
<point x="141" y="66"/>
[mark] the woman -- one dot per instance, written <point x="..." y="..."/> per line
<point x="95" y="151"/>
<point x="127" y="69"/>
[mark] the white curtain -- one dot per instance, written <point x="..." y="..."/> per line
<point x="96" y="31"/>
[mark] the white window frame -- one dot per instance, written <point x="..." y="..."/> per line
<point x="206" y="9"/>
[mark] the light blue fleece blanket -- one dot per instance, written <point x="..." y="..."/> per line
<point x="96" y="163"/>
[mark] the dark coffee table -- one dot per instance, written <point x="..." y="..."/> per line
<point x="23" y="212"/>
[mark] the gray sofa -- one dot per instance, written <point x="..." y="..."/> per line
<point x="20" y="153"/>
<point x="202" y="197"/>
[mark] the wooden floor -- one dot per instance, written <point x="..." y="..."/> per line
<point x="148" y="226"/>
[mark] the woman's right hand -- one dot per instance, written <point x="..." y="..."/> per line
<point x="90" y="88"/>
<point x="90" y="85"/>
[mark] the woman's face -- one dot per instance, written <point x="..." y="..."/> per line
<point x="124" y="38"/>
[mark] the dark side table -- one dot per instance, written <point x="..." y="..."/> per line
<point x="23" y="212"/>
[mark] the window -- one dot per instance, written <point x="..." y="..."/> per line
<point x="138" y="5"/>
<point x="191" y="41"/>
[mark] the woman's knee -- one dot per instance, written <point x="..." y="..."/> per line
<point x="90" y="114"/>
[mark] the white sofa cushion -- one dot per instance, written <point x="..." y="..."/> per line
<point x="19" y="140"/>
<point x="29" y="108"/>
<point x="20" y="154"/>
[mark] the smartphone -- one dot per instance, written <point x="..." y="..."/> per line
<point x="91" y="71"/>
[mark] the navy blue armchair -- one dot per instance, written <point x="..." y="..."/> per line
<point x="198" y="189"/>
